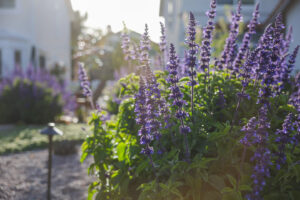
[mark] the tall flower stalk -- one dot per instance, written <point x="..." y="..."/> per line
<point x="141" y="113"/>
<point x="163" y="43"/>
<point x="245" y="73"/>
<point x="207" y="39"/>
<point x="246" y="40"/>
<point x="229" y="51"/>
<point x="85" y="84"/>
<point x="191" y="57"/>
<point x="256" y="134"/>
<point x="176" y="95"/>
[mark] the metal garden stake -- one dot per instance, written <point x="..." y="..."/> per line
<point x="51" y="130"/>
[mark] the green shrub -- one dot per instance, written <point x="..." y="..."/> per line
<point x="216" y="170"/>
<point x="26" y="102"/>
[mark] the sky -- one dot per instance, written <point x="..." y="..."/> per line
<point x="135" y="13"/>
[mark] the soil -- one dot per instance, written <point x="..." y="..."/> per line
<point x="23" y="176"/>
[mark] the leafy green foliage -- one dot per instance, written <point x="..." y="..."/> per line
<point x="216" y="171"/>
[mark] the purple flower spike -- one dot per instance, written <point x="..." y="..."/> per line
<point x="284" y="138"/>
<point x="287" y="41"/>
<point x="163" y="43"/>
<point x="207" y="39"/>
<point x="126" y="44"/>
<point x="191" y="57"/>
<point x="141" y="119"/>
<point x="246" y="40"/>
<point x="229" y="51"/>
<point x="144" y="48"/>
<point x="256" y="133"/>
<point x="176" y="95"/>
<point x="84" y="81"/>
<point x="192" y="49"/>
<point x="290" y="66"/>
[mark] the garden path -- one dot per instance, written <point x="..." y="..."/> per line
<point x="23" y="176"/>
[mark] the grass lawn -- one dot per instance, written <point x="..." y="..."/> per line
<point x="28" y="137"/>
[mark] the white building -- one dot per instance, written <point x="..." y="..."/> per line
<point x="35" y="32"/>
<point x="176" y="12"/>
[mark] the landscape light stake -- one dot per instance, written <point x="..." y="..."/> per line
<point x="51" y="130"/>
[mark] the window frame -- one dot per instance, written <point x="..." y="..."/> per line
<point x="14" y="10"/>
<point x="9" y="8"/>
<point x="42" y="61"/>
<point x="234" y="2"/>
<point x="18" y="57"/>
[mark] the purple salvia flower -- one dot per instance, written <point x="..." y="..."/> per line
<point x="264" y="55"/>
<point x="249" y="131"/>
<point x="269" y="62"/>
<point x="284" y="138"/>
<point x="246" y="40"/>
<point x="163" y="41"/>
<point x="84" y="81"/>
<point x="191" y="56"/>
<point x="192" y="49"/>
<point x="141" y="115"/>
<point x="290" y="66"/>
<point x="248" y="67"/>
<point x="126" y="44"/>
<point x="145" y="47"/>
<point x="85" y="84"/>
<point x="261" y="155"/>
<point x="176" y="95"/>
<point x="229" y="50"/>
<point x="245" y="73"/>
<point x="287" y="41"/>
<point x="277" y="59"/>
<point x="153" y="103"/>
<point x="207" y="39"/>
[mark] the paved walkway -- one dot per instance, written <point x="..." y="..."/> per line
<point x="23" y="176"/>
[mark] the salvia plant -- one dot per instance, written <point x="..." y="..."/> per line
<point x="39" y="76"/>
<point x="33" y="96"/>
<point x="203" y="128"/>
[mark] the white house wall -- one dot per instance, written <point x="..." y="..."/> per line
<point x="177" y="21"/>
<point x="293" y="20"/>
<point x="44" y="24"/>
<point x="53" y="32"/>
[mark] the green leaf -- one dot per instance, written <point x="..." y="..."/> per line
<point x="245" y="188"/>
<point x="216" y="181"/>
<point x="121" y="151"/>
<point x="231" y="180"/>
<point x="227" y="190"/>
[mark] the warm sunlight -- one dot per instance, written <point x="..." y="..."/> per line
<point x="135" y="13"/>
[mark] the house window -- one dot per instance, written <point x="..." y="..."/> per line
<point x="18" y="58"/>
<point x="224" y="1"/>
<point x="42" y="62"/>
<point x="7" y="4"/>
<point x="245" y="2"/>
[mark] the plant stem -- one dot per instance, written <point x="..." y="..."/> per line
<point x="192" y="96"/>
<point x="187" y="150"/>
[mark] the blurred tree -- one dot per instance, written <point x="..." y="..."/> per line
<point x="77" y="27"/>
<point x="103" y="55"/>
